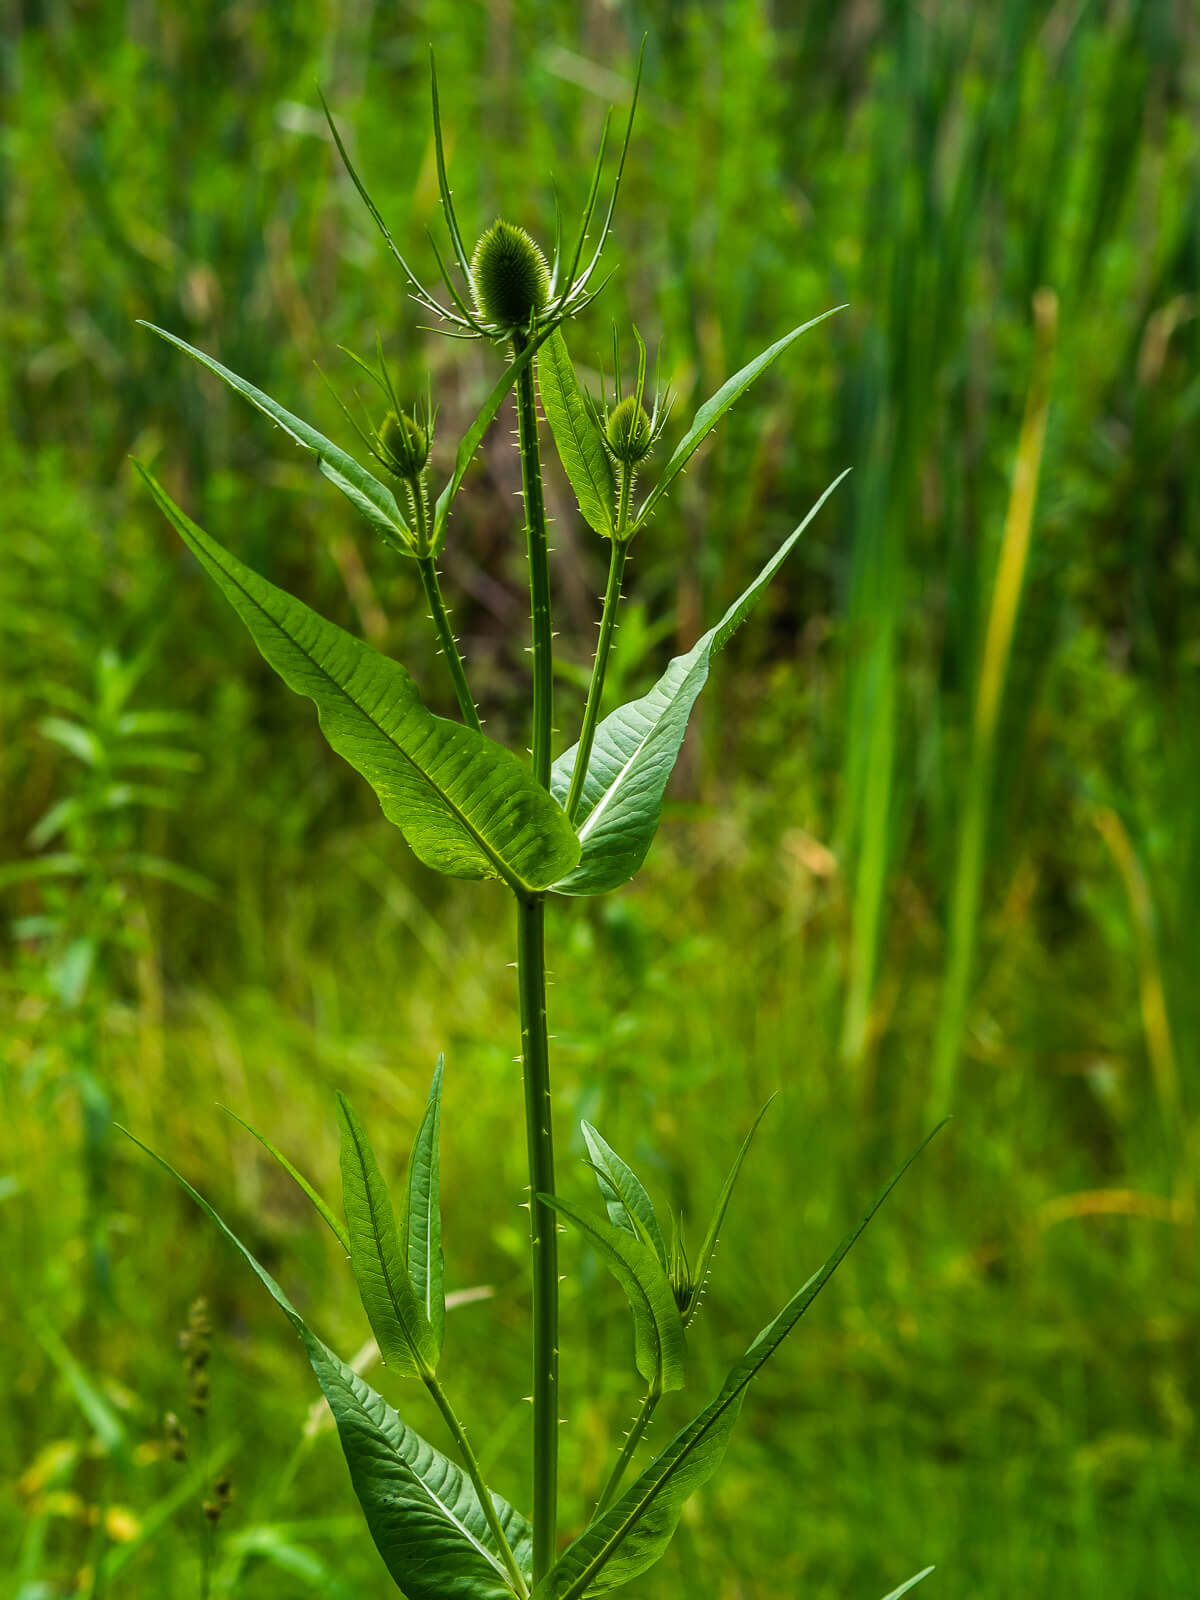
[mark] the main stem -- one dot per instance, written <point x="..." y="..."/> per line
<point x="539" y="568"/>
<point x="535" y="1055"/>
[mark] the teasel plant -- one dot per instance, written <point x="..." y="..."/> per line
<point x="575" y="824"/>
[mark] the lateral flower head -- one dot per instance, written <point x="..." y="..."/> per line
<point x="628" y="431"/>
<point x="510" y="289"/>
<point x="403" y="445"/>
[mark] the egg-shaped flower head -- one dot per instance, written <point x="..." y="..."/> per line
<point x="510" y="290"/>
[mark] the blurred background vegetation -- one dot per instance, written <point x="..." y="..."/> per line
<point x="935" y="840"/>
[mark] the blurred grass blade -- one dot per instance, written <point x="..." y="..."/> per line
<point x="967" y="890"/>
<point x="374" y="499"/>
<point x="467" y="806"/>
<point x="397" y="1317"/>
<point x="635" y="1531"/>
<point x="911" y="1584"/>
<point x="629" y="1206"/>
<point x="658" y="1328"/>
<point x="423" y="1513"/>
<point x="637" y="746"/>
<point x="711" y="412"/>
<point x="421" y="1217"/>
<point x="326" y="1211"/>
<point x="704" y="1259"/>
<point x="103" y="1420"/>
<point x="576" y="436"/>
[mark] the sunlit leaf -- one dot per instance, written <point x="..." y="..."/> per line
<point x="421" y="1217"/>
<point x="423" y="1512"/>
<point x="636" y="1529"/>
<point x="396" y="1315"/>
<point x="658" y="1327"/>
<point x="467" y="806"/>
<point x="629" y="1206"/>
<point x="576" y="436"/>
<point x="637" y="746"/>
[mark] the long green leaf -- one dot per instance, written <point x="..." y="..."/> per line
<point x="711" y="412"/>
<point x="634" y="1532"/>
<point x="324" y="1209"/>
<point x="576" y="436"/>
<point x="912" y="1583"/>
<point x="374" y="499"/>
<point x="704" y="1260"/>
<point x="636" y="748"/>
<point x="423" y="1513"/>
<point x="467" y="806"/>
<point x="396" y="1314"/>
<point x="658" y="1327"/>
<point x="629" y="1206"/>
<point x="421" y="1216"/>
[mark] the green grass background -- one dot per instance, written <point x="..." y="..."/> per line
<point x="1003" y="1379"/>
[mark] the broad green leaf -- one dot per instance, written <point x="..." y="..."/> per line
<point x="637" y="746"/>
<point x="713" y="409"/>
<point x="374" y="499"/>
<point x="397" y="1317"/>
<point x="576" y="436"/>
<point x="658" y="1327"/>
<point x="629" y="1206"/>
<point x="324" y="1209"/>
<point x="911" y="1584"/>
<point x="423" y="1512"/>
<point x="466" y="806"/>
<point x="704" y="1260"/>
<point x="634" y="1532"/>
<point x="421" y="1217"/>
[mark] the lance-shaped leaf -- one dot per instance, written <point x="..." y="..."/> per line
<point x="421" y="1216"/>
<point x="637" y="746"/>
<point x="374" y="499"/>
<point x="704" y="1260"/>
<point x="324" y="1209"/>
<point x="466" y="806"/>
<point x="711" y="412"/>
<point x="634" y="1532"/>
<point x="629" y="1206"/>
<point x="422" y="1511"/>
<point x="658" y="1327"/>
<point x="396" y="1314"/>
<point x="576" y="436"/>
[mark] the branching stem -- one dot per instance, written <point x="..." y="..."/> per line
<point x="440" y="617"/>
<point x="535" y="1056"/>
<point x="591" y="713"/>
<point x="469" y="1461"/>
<point x="632" y="1440"/>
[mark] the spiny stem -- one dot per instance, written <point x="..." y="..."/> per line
<point x="427" y="567"/>
<point x="539" y="568"/>
<point x="485" y="1499"/>
<point x="535" y="1055"/>
<point x="632" y="1440"/>
<point x="591" y="712"/>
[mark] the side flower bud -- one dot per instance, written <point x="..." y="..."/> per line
<point x="403" y="444"/>
<point x="629" y="432"/>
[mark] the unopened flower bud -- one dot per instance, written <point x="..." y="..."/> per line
<point x="509" y="276"/>
<point x="404" y="444"/>
<point x="629" y="432"/>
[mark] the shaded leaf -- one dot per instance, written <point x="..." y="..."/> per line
<point x="423" y="1512"/>
<point x="325" y="1211"/>
<point x="713" y="409"/>
<point x="374" y="499"/>
<point x="658" y="1327"/>
<point x="421" y="1217"/>
<point x="635" y="1531"/>
<point x="396" y="1315"/>
<point x="576" y="436"/>
<point x="629" y="1206"/>
<point x="467" y="806"/>
<point x="637" y="746"/>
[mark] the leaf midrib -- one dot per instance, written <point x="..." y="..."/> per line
<point x="571" y="412"/>
<point x="418" y="1359"/>
<point x="510" y="876"/>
